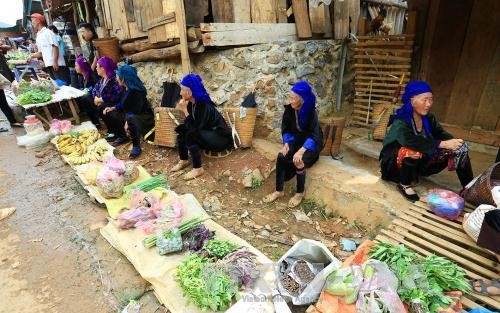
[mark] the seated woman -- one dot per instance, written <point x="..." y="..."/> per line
<point x="417" y="145"/>
<point x="86" y="80"/>
<point x="203" y="128"/>
<point x="107" y="92"/>
<point x="302" y="142"/>
<point x="132" y="114"/>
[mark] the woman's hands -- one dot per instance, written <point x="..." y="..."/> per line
<point x="297" y="158"/>
<point x="108" y="109"/>
<point x="452" y="144"/>
<point x="284" y="150"/>
<point x="98" y="101"/>
<point x="183" y="106"/>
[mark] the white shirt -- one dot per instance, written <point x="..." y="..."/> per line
<point x="46" y="40"/>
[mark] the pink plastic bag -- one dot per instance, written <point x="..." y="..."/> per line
<point x="131" y="218"/>
<point x="115" y="164"/>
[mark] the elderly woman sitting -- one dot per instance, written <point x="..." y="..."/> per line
<point x="302" y="142"/>
<point x="417" y="145"/>
<point x="132" y="114"/>
<point x="203" y="128"/>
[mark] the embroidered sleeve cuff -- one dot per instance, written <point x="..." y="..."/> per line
<point x="310" y="144"/>
<point x="287" y="138"/>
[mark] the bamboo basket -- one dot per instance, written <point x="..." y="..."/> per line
<point x="244" y="126"/>
<point x="384" y="112"/>
<point x="480" y="190"/>
<point x="165" y="134"/>
<point x="336" y="124"/>
<point x="108" y="47"/>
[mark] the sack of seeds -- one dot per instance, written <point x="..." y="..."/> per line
<point x="131" y="172"/>
<point x="302" y="271"/>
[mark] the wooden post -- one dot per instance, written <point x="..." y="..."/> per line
<point x="87" y="11"/>
<point x="412" y="23"/>
<point x="100" y="17"/>
<point x="75" y="14"/>
<point x="180" y="19"/>
<point x="362" y="26"/>
<point x="301" y="18"/>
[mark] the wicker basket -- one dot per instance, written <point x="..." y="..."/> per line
<point x="480" y="190"/>
<point x="244" y="126"/>
<point x="108" y="47"/>
<point x="382" y="111"/>
<point x="165" y="134"/>
<point x="328" y="127"/>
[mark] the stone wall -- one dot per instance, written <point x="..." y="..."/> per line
<point x="271" y="69"/>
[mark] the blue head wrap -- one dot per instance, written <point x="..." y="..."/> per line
<point x="405" y="113"/>
<point x="129" y="73"/>
<point x="193" y="82"/>
<point x="303" y="89"/>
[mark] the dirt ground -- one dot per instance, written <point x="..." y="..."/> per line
<point x="53" y="258"/>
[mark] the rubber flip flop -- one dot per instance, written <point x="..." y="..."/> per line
<point x="3" y="130"/>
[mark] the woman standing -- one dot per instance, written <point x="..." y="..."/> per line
<point x="203" y="128"/>
<point x="107" y="92"/>
<point x="132" y="114"/>
<point x="302" y="142"/>
<point x="417" y="145"/>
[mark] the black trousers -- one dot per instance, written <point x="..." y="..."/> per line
<point x="4" y="106"/>
<point x="86" y="104"/>
<point x="192" y="141"/>
<point x="138" y="124"/>
<point x="286" y="170"/>
<point x="413" y="168"/>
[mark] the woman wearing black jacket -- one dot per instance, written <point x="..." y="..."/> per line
<point x="203" y="128"/>
<point x="132" y="114"/>
<point x="302" y="142"/>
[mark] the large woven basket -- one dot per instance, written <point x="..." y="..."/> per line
<point x="165" y="134"/>
<point x="109" y="47"/>
<point x="480" y="190"/>
<point x="328" y="127"/>
<point x="244" y="126"/>
<point x="382" y="111"/>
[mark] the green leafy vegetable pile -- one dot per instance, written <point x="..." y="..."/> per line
<point x="33" y="96"/>
<point x="421" y="281"/>
<point x="219" y="248"/>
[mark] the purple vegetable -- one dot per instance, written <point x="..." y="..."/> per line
<point x="195" y="238"/>
<point x="243" y="264"/>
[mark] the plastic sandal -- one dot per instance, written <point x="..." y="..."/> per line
<point x="180" y="165"/>
<point x="192" y="175"/>
<point x="295" y="200"/>
<point x="272" y="197"/>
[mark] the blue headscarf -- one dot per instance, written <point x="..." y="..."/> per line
<point x="193" y="82"/>
<point x="129" y="73"/>
<point x="303" y="89"/>
<point x="405" y="113"/>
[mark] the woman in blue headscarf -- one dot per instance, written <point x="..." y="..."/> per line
<point x="302" y="142"/>
<point x="203" y="128"/>
<point x="132" y="114"/>
<point x="417" y="145"/>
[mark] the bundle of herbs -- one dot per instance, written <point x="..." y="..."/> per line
<point x="184" y="227"/>
<point x="195" y="239"/>
<point x="243" y="266"/>
<point x="219" y="248"/>
<point x="148" y="185"/>
<point x="422" y="282"/>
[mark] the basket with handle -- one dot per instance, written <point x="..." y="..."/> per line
<point x="244" y="125"/>
<point x="109" y="47"/>
<point x="332" y="135"/>
<point x="381" y="114"/>
<point x="479" y="190"/>
<point x="165" y="134"/>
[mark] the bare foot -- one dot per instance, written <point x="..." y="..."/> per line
<point x="486" y="287"/>
<point x="272" y="197"/>
<point x="295" y="200"/>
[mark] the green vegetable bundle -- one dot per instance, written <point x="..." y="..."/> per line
<point x="148" y="185"/>
<point x="33" y="96"/>
<point x="422" y="281"/>
<point x="184" y="227"/>
<point x="219" y="248"/>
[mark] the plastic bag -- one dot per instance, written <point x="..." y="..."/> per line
<point x="90" y="172"/>
<point x="445" y="203"/>
<point x="168" y="242"/>
<point x="495" y="192"/>
<point x="317" y="254"/>
<point x="378" y="290"/>
<point x="33" y="141"/>
<point x="132" y="307"/>
<point x="115" y="164"/>
<point x="345" y="282"/>
<point x="473" y="222"/>
<point x="132" y="217"/>
<point x="109" y="183"/>
<point x="131" y="172"/>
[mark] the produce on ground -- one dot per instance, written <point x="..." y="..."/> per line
<point x="95" y="153"/>
<point x="109" y="183"/>
<point x="76" y="141"/>
<point x="244" y="268"/>
<point x="219" y="248"/>
<point x="421" y="281"/>
<point x="345" y="282"/>
<point x="184" y="227"/>
<point x="131" y="172"/>
<point x="195" y="239"/>
<point x="148" y="185"/>
<point x="33" y="96"/>
<point x="169" y="242"/>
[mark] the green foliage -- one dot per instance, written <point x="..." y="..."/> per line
<point x="33" y="96"/>
<point x="219" y="248"/>
<point x="310" y="205"/>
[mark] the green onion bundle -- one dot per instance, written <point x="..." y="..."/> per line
<point x="148" y="185"/>
<point x="184" y="227"/>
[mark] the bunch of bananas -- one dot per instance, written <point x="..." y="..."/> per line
<point x="96" y="153"/>
<point x="77" y="143"/>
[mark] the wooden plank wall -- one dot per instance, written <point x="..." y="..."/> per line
<point x="124" y="19"/>
<point x="380" y="62"/>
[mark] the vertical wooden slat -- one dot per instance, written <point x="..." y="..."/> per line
<point x="317" y="18"/>
<point x="362" y="26"/>
<point x="180" y="20"/>
<point x="301" y="18"/>
<point x="281" y="11"/>
<point x="488" y="110"/>
<point x="222" y="10"/>
<point x="242" y="11"/>
<point x="477" y="56"/>
<point x="412" y="23"/>
<point x="196" y="10"/>
<point x="129" y="10"/>
<point x="354" y="13"/>
<point x="341" y="19"/>
<point x="328" y="23"/>
<point x="263" y="11"/>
